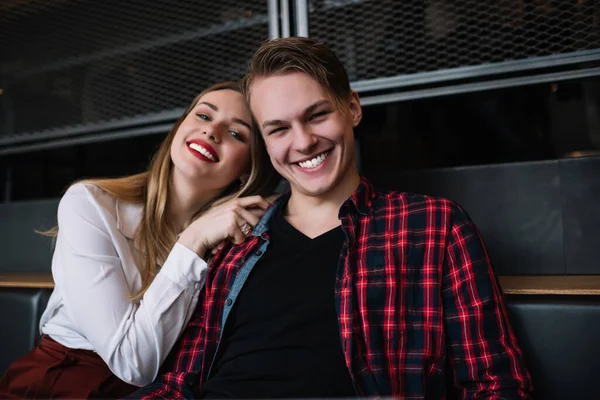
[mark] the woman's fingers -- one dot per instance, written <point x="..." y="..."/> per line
<point x="258" y="212"/>
<point x="237" y="236"/>
<point x="248" y="216"/>
<point x="231" y="221"/>
<point x="252" y="201"/>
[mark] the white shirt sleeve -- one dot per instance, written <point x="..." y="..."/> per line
<point x="133" y="339"/>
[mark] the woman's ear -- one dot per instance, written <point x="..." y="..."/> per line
<point x="244" y="178"/>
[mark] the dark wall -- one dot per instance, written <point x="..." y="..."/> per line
<point x="22" y="249"/>
<point x="535" y="217"/>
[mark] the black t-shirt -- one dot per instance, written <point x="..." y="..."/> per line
<point x="281" y="339"/>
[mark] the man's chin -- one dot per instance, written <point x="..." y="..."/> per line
<point x="312" y="189"/>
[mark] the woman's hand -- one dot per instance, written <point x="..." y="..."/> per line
<point x="233" y="221"/>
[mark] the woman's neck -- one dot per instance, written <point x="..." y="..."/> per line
<point x="186" y="198"/>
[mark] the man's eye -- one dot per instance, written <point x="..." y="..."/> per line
<point x="276" y="130"/>
<point x="317" y="115"/>
<point x="203" y="116"/>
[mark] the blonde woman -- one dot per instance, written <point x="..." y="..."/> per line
<point x="130" y="254"/>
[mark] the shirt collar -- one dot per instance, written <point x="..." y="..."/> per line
<point x="360" y="200"/>
<point x="263" y="224"/>
<point x="129" y="216"/>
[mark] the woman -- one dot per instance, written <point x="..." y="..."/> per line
<point x="130" y="254"/>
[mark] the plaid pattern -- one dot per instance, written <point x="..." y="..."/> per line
<point x="420" y="311"/>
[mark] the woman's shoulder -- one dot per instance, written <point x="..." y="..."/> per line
<point x="86" y="198"/>
<point x="88" y="192"/>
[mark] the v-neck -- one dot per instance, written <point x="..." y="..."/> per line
<point x="283" y="226"/>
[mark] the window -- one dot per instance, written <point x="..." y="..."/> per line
<point x="537" y="122"/>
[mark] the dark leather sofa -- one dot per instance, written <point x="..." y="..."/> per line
<point x="23" y="251"/>
<point x="560" y="338"/>
<point x="20" y="312"/>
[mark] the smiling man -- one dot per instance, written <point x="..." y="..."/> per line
<point x="342" y="290"/>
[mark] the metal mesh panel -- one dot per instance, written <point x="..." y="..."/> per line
<point x="384" y="38"/>
<point x="73" y="62"/>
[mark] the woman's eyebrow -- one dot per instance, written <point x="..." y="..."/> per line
<point x="215" y="108"/>
<point x="242" y="122"/>
<point x="210" y="105"/>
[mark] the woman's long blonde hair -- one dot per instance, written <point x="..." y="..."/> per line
<point x="154" y="237"/>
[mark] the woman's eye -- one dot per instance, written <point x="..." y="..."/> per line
<point x="203" y="116"/>
<point x="237" y="136"/>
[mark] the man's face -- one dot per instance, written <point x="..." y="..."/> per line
<point x="309" y="139"/>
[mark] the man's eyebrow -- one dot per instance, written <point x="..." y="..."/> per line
<point x="314" y="106"/>
<point x="307" y="111"/>
<point x="272" y="122"/>
<point x="210" y="105"/>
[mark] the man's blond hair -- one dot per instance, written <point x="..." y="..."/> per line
<point x="299" y="54"/>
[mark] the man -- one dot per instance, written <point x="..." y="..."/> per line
<point x="342" y="290"/>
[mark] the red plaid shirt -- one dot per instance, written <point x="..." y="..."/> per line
<point x="419" y="308"/>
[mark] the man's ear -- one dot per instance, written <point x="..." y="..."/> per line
<point x="355" y="108"/>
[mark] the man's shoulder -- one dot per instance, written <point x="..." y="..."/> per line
<point x="412" y="202"/>
<point x="416" y="212"/>
<point x="422" y="209"/>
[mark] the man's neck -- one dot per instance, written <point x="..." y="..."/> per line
<point x="315" y="215"/>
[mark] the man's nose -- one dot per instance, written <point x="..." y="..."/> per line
<point x="304" y="140"/>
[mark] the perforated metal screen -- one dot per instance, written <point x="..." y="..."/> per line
<point x="83" y="62"/>
<point x="72" y="62"/>
<point x="384" y="38"/>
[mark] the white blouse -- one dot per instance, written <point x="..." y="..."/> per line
<point x="95" y="277"/>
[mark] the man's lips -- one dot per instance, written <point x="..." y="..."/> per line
<point x="314" y="161"/>
<point x="315" y="155"/>
<point x="203" y="148"/>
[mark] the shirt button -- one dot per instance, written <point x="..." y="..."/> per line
<point x="228" y="302"/>
<point x="191" y="380"/>
<point x="258" y="253"/>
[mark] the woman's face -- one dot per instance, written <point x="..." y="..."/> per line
<point x="212" y="144"/>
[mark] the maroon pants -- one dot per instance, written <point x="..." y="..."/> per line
<point x="52" y="370"/>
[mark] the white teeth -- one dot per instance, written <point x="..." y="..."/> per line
<point x="315" y="162"/>
<point x="202" y="151"/>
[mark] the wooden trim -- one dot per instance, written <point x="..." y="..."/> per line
<point x="26" y="280"/>
<point x="511" y="285"/>
<point x="551" y="284"/>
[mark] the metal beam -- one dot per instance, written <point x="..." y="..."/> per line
<point x="93" y="138"/>
<point x="478" y="86"/>
<point x="99" y="127"/>
<point x="302" y="18"/>
<point x="285" y="18"/>
<point x="273" y="10"/>
<point x="476" y="71"/>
